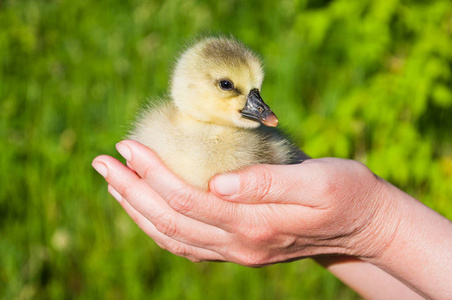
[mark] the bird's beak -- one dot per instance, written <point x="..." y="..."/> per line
<point x="255" y="109"/>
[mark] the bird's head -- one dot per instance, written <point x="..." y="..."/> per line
<point x="218" y="80"/>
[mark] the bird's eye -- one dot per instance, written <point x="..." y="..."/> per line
<point x="226" y="85"/>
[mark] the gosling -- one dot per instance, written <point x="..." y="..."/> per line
<point x="212" y="123"/>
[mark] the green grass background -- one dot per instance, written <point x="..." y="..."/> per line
<point x="369" y="80"/>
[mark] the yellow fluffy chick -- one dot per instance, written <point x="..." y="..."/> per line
<point x="213" y="122"/>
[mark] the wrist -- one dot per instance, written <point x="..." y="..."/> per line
<point x="384" y="221"/>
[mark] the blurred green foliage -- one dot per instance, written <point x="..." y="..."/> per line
<point x="369" y="80"/>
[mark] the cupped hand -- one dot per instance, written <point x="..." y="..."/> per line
<point x="260" y="215"/>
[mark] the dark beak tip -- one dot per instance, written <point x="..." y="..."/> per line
<point x="256" y="109"/>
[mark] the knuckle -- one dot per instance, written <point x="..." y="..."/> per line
<point x="180" y="201"/>
<point x="167" y="225"/>
<point x="262" y="236"/>
<point x="328" y="184"/>
<point x="252" y="259"/>
<point x="178" y="249"/>
<point x="257" y="235"/>
<point x="128" y="191"/>
<point x="331" y="185"/>
<point x="148" y="170"/>
<point x="257" y="238"/>
<point x="259" y="186"/>
<point x="254" y="249"/>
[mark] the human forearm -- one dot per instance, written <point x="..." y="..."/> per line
<point x="366" y="279"/>
<point x="420" y="254"/>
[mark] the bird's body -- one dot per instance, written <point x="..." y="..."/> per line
<point x="208" y="129"/>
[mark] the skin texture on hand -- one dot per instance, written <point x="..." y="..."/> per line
<point x="308" y="219"/>
<point x="263" y="214"/>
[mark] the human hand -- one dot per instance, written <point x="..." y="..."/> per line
<point x="272" y="214"/>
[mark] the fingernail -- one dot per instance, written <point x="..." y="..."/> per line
<point x="124" y="150"/>
<point x="227" y="184"/>
<point x="100" y="168"/>
<point x="114" y="193"/>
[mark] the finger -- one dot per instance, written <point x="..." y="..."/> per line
<point x="284" y="184"/>
<point x="149" y="204"/>
<point x="183" y="198"/>
<point x="178" y="248"/>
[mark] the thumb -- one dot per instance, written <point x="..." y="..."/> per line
<point x="260" y="184"/>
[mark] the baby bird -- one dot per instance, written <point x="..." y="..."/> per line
<point x="213" y="122"/>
